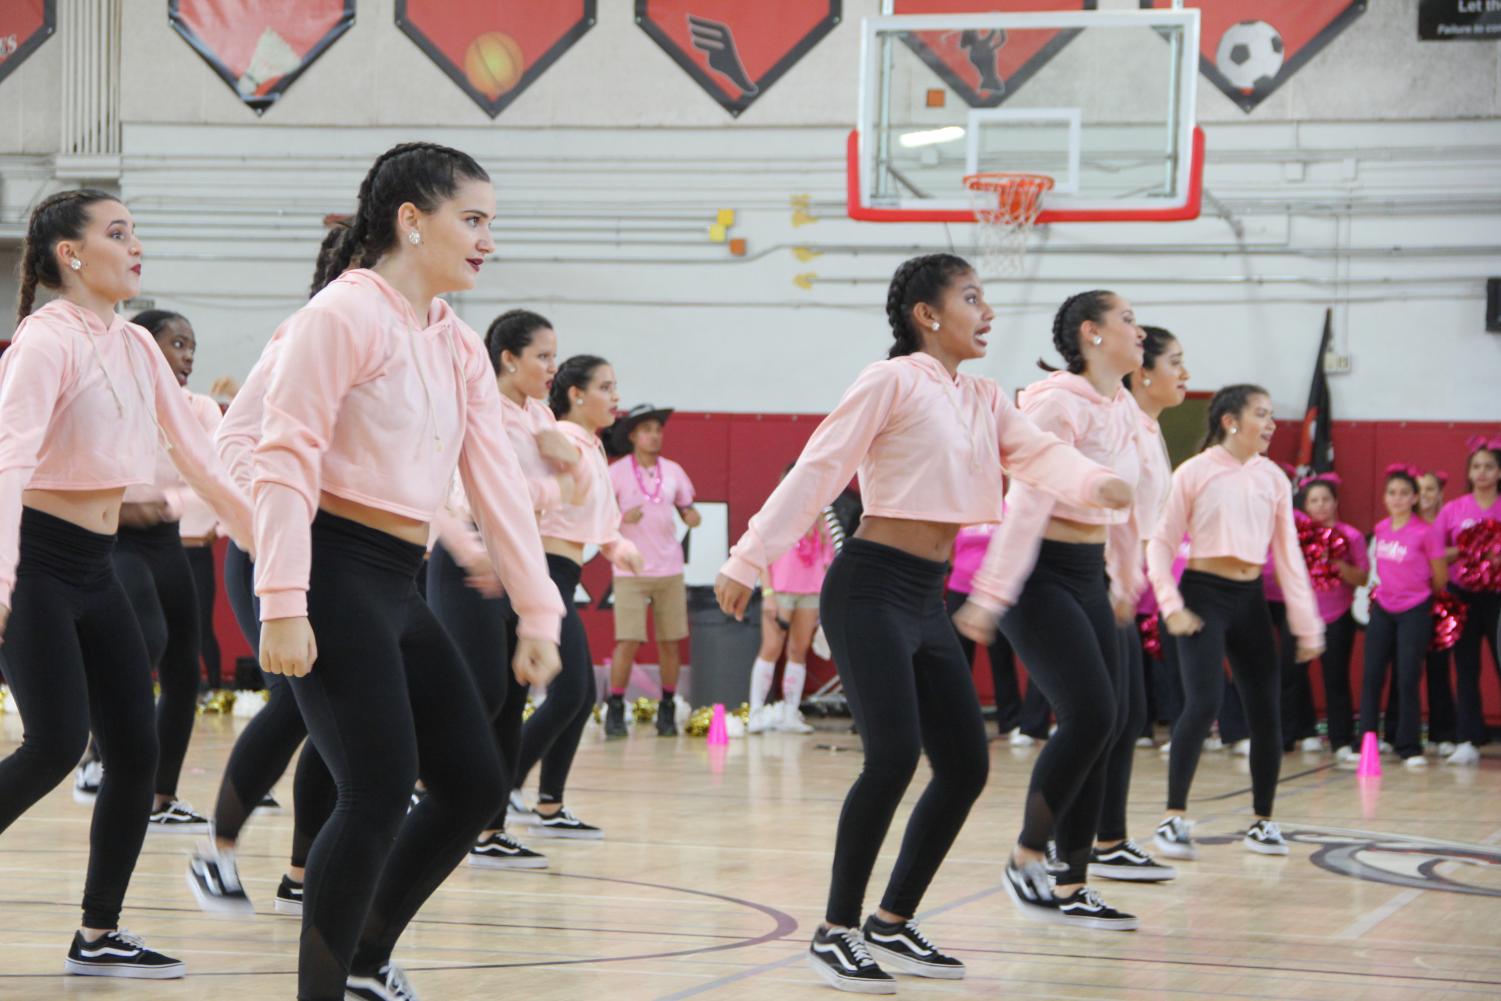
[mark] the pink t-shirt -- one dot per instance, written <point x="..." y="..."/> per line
<point x="659" y="492"/>
<point x="1404" y="569"/>
<point x="1336" y="601"/>
<point x="801" y="569"/>
<point x="969" y="552"/>
<point x="1458" y="515"/>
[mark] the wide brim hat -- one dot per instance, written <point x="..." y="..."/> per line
<point x="621" y="432"/>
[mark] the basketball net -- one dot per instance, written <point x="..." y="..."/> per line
<point x="1006" y="206"/>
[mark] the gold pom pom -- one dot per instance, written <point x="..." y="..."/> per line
<point x="742" y="713"/>
<point x="644" y="710"/>
<point x="219" y="703"/>
<point x="527" y="710"/>
<point x="698" y="722"/>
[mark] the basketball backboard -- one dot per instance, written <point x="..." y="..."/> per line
<point x="1101" y="101"/>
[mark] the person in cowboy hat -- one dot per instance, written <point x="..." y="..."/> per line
<point x="649" y="489"/>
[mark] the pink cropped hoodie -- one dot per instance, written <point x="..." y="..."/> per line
<point x="370" y="404"/>
<point x="928" y="446"/>
<point x="194" y="516"/>
<point x="85" y="406"/>
<point x="596" y="519"/>
<point x="1235" y="509"/>
<point x="1105" y="430"/>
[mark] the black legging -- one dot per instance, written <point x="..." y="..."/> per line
<point x="268" y="741"/>
<point x="75" y="661"/>
<point x="1480" y="626"/>
<point x="552" y="734"/>
<point x="1402" y="637"/>
<point x="153" y="568"/>
<point x="1063" y="629"/>
<point x="1008" y="700"/>
<point x="201" y="562"/>
<point x="1122" y="755"/>
<point x="910" y="690"/>
<point x="1167" y="677"/>
<point x="1439" y="674"/>
<point x="388" y="690"/>
<point x="1238" y="624"/>
<point x="1299" y="717"/>
<point x="1036" y="715"/>
<point x="484" y="630"/>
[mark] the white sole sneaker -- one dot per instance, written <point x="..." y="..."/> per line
<point x="1173" y="850"/>
<point x="498" y="862"/>
<point x="213" y="904"/>
<point x="851" y="984"/>
<point x="174" y="971"/>
<point x="1157" y="873"/>
<point x="1262" y="848"/>
<point x="291" y="908"/>
<point x="886" y="959"/>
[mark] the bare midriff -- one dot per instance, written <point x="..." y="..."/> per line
<point x="562" y="547"/>
<point x="92" y="510"/>
<point x="406" y="529"/>
<point x="928" y="540"/>
<point x="1227" y="567"/>
<point x="1078" y="532"/>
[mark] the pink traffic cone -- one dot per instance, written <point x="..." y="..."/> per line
<point x="1370" y="757"/>
<point x="717" y="733"/>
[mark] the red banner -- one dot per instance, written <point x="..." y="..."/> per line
<point x="736" y="50"/>
<point x="1249" y="48"/>
<point x="986" y="67"/>
<point x="24" y="25"/>
<point x="260" y="47"/>
<point x="494" y="49"/>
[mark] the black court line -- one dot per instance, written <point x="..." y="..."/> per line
<point x="1281" y="781"/>
<point x="785" y="924"/>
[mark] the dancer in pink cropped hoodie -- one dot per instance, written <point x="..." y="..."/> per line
<point x="1233" y="503"/>
<point x="925" y="441"/>
<point x="86" y="403"/>
<point x="1045" y="578"/>
<point x="379" y="394"/>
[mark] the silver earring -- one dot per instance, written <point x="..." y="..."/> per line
<point x="935" y="324"/>
<point x="76" y="264"/>
<point x="1097" y="340"/>
<point x="414" y="238"/>
<point x="511" y="368"/>
<point x="1235" y="430"/>
<point x="1147" y="381"/>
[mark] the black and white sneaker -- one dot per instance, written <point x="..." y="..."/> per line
<point x="1084" y="908"/>
<point x="1265" y="838"/>
<point x="86" y="782"/>
<point x="178" y="818"/>
<point x="501" y="851"/>
<point x="214" y="879"/>
<point x="1030" y="887"/>
<point x="667" y="725"/>
<point x="517" y="812"/>
<point x="388" y="984"/>
<point x="1128" y="862"/>
<point x="120" y="954"/>
<point x="288" y="897"/>
<point x="268" y="804"/>
<point x="902" y="947"/>
<point x="1055" y="865"/>
<point x="1174" y="838"/>
<point x="842" y="959"/>
<point x="564" y="824"/>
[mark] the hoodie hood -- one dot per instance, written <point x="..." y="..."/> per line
<point x="439" y="314"/>
<point x="1068" y="382"/>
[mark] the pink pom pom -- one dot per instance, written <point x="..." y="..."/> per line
<point x="1478" y="567"/>
<point x="1151" y="636"/>
<point x="1449" y="615"/>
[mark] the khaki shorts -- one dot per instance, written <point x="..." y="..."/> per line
<point x="669" y="605"/>
<point x="788" y="603"/>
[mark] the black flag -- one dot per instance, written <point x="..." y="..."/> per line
<point x="1315" y="445"/>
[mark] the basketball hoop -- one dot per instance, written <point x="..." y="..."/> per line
<point x="1006" y="206"/>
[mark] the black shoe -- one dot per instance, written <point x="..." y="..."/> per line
<point x="1127" y="861"/>
<point x="501" y="851"/>
<point x="86" y="782"/>
<point x="268" y="804"/>
<point x="288" y="897"/>
<point x="1031" y="888"/>
<point x="565" y="825"/>
<point x="120" y="954"/>
<point x="841" y="958"/>
<point x="903" y="948"/>
<point x="178" y="818"/>
<point x="667" y="725"/>
<point x="1084" y="907"/>
<point x="1265" y="838"/>
<point x="215" y="881"/>
<point x="388" y="984"/>
<point x="615" y="717"/>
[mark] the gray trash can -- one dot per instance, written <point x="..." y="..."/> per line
<point x="721" y="651"/>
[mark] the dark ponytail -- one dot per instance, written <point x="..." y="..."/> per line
<point x="155" y="320"/>
<point x="421" y="173"/>
<point x="920" y="279"/>
<point x="1154" y="346"/>
<point x="1228" y="401"/>
<point x="1076" y="309"/>
<point x="512" y="331"/>
<point x="337" y="226"/>
<point x="575" y="373"/>
<point x="62" y="216"/>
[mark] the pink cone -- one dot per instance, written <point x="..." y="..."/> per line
<point x="718" y="735"/>
<point x="1370" y="757"/>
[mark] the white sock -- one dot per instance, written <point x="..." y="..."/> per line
<point x="761" y="682"/>
<point x="793" y="676"/>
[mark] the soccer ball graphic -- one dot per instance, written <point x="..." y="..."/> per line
<point x="1250" y="53"/>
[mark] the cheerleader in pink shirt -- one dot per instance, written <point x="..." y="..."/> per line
<point x="1438" y="671"/>
<point x="86" y="404"/>
<point x="925" y="441"/>
<point x="1233" y="504"/>
<point x="1410" y="570"/>
<point x="1481" y="503"/>
<point x="797" y="578"/>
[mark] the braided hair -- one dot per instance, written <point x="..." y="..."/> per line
<point x="1154" y="346"/>
<point x="1088" y="306"/>
<point x="337" y="226"/>
<point x="1229" y="401"/>
<point x="62" y="216"/>
<point x="575" y="373"/>
<point x="156" y="320"/>
<point x="920" y="279"/>
<point x="421" y="173"/>
<point x="512" y="331"/>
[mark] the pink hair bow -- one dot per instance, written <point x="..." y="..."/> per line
<point x="1288" y="469"/>
<point x="1403" y="467"/>
<point x="1440" y="475"/>
<point x="1331" y="478"/>
<point x="1479" y="441"/>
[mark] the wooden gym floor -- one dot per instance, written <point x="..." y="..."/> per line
<point x="715" y="866"/>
